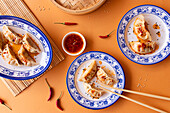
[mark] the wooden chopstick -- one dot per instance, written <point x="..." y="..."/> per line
<point x="136" y="92"/>
<point x="144" y="94"/>
<point x="137" y="102"/>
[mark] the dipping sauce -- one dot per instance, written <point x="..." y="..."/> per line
<point x="155" y="26"/>
<point x="159" y="34"/>
<point x="16" y="47"/>
<point x="73" y="43"/>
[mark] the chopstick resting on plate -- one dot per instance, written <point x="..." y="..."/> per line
<point x="139" y="93"/>
<point x="132" y="100"/>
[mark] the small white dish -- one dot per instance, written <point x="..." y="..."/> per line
<point x="84" y="43"/>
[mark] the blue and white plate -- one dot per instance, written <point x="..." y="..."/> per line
<point x="153" y="14"/>
<point x="22" y="26"/>
<point x="76" y="88"/>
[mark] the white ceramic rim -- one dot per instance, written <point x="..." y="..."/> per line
<point x="84" y="43"/>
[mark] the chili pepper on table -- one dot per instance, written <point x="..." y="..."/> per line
<point x="49" y="88"/>
<point x="66" y="23"/>
<point x="58" y="103"/>
<point x="2" y="102"/>
<point x="106" y="36"/>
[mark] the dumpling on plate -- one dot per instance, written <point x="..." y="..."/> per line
<point x="95" y="93"/>
<point x="30" y="45"/>
<point x="25" y="58"/>
<point x="142" y="48"/>
<point x="90" y="72"/>
<point x="11" y="35"/>
<point x="103" y="78"/>
<point x="9" y="56"/>
<point x="140" y="29"/>
<point x="1" y="42"/>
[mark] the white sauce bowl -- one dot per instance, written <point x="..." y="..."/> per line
<point x="84" y="43"/>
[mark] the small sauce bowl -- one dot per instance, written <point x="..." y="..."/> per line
<point x="73" y="43"/>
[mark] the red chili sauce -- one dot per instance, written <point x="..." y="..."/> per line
<point x="73" y="43"/>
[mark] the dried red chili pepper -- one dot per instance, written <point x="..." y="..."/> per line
<point x="2" y="102"/>
<point x="66" y="23"/>
<point x="58" y="103"/>
<point x="106" y="36"/>
<point x="50" y="89"/>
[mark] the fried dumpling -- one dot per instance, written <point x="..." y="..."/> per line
<point x="94" y="92"/>
<point x="103" y="78"/>
<point x="140" y="29"/>
<point x="30" y="45"/>
<point x="25" y="58"/>
<point x="9" y="56"/>
<point x="142" y="48"/>
<point x="11" y="35"/>
<point x="1" y="42"/>
<point x="89" y="73"/>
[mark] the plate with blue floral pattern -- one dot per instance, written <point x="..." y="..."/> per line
<point x="43" y="59"/>
<point x="153" y="15"/>
<point x="76" y="89"/>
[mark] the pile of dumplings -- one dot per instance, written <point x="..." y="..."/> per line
<point x="27" y="46"/>
<point x="102" y="78"/>
<point x="144" y="45"/>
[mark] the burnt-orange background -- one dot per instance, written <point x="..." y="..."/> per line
<point x="152" y="78"/>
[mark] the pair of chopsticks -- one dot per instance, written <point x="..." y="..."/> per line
<point x="138" y="93"/>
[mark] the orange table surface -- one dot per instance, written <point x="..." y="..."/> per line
<point x="152" y="78"/>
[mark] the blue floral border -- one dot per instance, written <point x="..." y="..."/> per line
<point x="70" y="80"/>
<point x="32" y="29"/>
<point x="143" y="9"/>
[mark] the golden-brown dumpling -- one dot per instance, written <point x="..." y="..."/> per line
<point x="143" y="48"/>
<point x="9" y="56"/>
<point x="95" y="93"/>
<point x="11" y="35"/>
<point x="89" y="73"/>
<point x="104" y="78"/>
<point x="25" y="58"/>
<point x="30" y="45"/>
<point x="141" y="30"/>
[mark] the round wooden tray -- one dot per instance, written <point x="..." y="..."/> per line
<point x="78" y="6"/>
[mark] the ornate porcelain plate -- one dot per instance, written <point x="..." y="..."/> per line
<point x="22" y="26"/>
<point x="76" y="88"/>
<point x="152" y="14"/>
